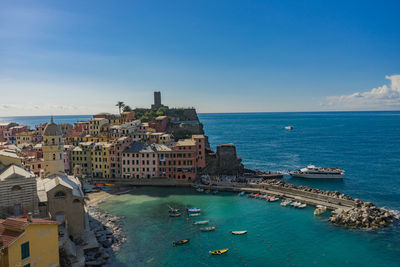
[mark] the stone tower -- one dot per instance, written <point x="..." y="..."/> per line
<point x="157" y="100"/>
<point x="52" y="148"/>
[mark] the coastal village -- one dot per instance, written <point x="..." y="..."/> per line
<point x="46" y="172"/>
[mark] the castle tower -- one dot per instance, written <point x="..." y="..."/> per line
<point x="157" y="100"/>
<point x="52" y="148"/>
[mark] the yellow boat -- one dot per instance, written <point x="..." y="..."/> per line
<point x="219" y="251"/>
<point x="110" y="184"/>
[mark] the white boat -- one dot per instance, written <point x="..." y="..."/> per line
<point x="286" y="202"/>
<point x="193" y="209"/>
<point x="289" y="127"/>
<point x="238" y="232"/>
<point x="295" y="204"/>
<point x="201" y="222"/>
<point x="318" y="173"/>
<point x="200" y="190"/>
<point x="273" y="199"/>
<point x="194" y="214"/>
<point x="301" y="206"/>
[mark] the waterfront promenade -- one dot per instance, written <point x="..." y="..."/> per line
<point x="309" y="198"/>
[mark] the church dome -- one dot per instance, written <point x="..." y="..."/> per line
<point x="52" y="129"/>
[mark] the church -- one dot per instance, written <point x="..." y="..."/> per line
<point x="60" y="196"/>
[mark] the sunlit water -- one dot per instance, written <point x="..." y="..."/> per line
<point x="365" y="144"/>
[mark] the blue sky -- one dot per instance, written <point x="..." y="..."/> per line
<point x="81" y="57"/>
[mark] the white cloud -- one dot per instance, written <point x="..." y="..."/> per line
<point x="383" y="97"/>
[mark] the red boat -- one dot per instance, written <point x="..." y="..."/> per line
<point x="99" y="184"/>
<point x="174" y="214"/>
<point x="255" y="195"/>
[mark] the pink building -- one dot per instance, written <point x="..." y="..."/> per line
<point x="9" y="134"/>
<point x="81" y="128"/>
<point x="116" y="149"/>
<point x="67" y="157"/>
<point x="185" y="160"/>
<point x="6" y="125"/>
<point x="140" y="160"/>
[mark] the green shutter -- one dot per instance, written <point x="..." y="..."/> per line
<point x="25" y="250"/>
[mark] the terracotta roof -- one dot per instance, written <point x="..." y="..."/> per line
<point x="8" y="236"/>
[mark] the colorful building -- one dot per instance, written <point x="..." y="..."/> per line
<point x="100" y="156"/>
<point x="140" y="160"/>
<point x="81" y="155"/>
<point x="116" y="149"/>
<point x="95" y="125"/>
<point x="28" y="242"/>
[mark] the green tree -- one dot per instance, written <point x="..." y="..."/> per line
<point x="120" y="105"/>
<point x="127" y="108"/>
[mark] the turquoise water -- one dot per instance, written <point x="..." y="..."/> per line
<point x="365" y="144"/>
<point x="278" y="236"/>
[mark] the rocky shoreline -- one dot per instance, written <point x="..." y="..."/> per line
<point x="364" y="215"/>
<point x="109" y="233"/>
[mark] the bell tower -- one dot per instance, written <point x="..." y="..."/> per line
<point x="53" y="150"/>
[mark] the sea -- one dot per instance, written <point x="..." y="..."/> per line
<point x="365" y="144"/>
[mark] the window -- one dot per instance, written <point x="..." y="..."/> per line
<point x="25" y="250"/>
<point x="15" y="188"/>
<point x="59" y="194"/>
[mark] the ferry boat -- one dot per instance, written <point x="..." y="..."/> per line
<point x="318" y="173"/>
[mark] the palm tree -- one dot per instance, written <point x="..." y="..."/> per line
<point x="127" y="108"/>
<point x="120" y="105"/>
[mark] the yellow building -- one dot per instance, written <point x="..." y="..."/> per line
<point x="25" y="138"/>
<point x="82" y="156"/>
<point x="75" y="140"/>
<point x="28" y="242"/>
<point x="8" y="157"/>
<point x="95" y="125"/>
<point x="100" y="155"/>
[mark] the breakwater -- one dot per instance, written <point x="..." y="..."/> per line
<point x="347" y="211"/>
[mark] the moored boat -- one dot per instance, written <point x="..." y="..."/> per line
<point x="201" y="222"/>
<point x="173" y="210"/>
<point x="207" y="229"/>
<point x="242" y="193"/>
<point x="194" y="214"/>
<point x="200" y="190"/>
<point x="301" y="206"/>
<point x="295" y="204"/>
<point x="238" y="232"/>
<point x="193" y="209"/>
<point x="180" y="242"/>
<point x="286" y="202"/>
<point x="176" y="214"/>
<point x="273" y="199"/>
<point x="219" y="251"/>
<point x="254" y="195"/>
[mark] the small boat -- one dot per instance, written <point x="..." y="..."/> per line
<point x="201" y="222"/>
<point x="177" y="214"/>
<point x="110" y="184"/>
<point x="215" y="192"/>
<point x="194" y="214"/>
<point x="180" y="242"/>
<point x="238" y="232"/>
<point x="207" y="229"/>
<point x="302" y="206"/>
<point x="286" y="202"/>
<point x="242" y="193"/>
<point x="219" y="251"/>
<point x="273" y="199"/>
<point x="319" y="210"/>
<point x="193" y="209"/>
<point x="173" y="210"/>
<point x="289" y="127"/>
<point x="200" y="190"/>
<point x="267" y="197"/>
<point x="295" y="204"/>
<point x="208" y="191"/>
<point x="255" y="195"/>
